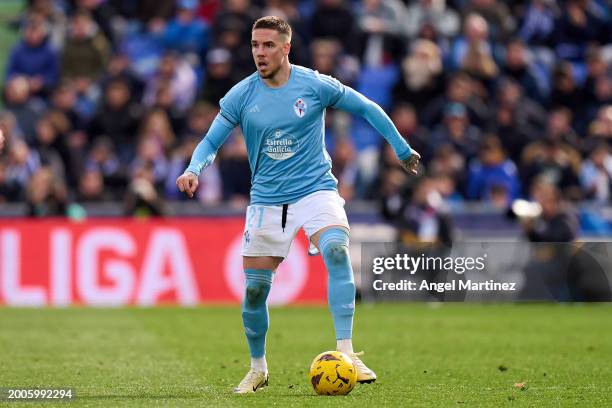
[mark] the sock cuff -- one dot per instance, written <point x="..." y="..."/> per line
<point x="259" y="275"/>
<point x="337" y="236"/>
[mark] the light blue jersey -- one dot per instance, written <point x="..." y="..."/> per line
<point x="284" y="131"/>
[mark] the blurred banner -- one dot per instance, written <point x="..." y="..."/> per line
<point x="487" y="271"/>
<point x="130" y="262"/>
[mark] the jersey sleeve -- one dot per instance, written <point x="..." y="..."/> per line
<point x="230" y="108"/>
<point x="206" y="151"/>
<point x="330" y="89"/>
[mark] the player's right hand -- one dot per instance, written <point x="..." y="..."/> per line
<point x="187" y="183"/>
<point x="411" y="163"/>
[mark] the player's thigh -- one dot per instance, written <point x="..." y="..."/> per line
<point x="261" y="262"/>
<point x="265" y="242"/>
<point x="321" y="211"/>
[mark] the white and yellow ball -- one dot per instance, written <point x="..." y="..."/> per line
<point x="332" y="373"/>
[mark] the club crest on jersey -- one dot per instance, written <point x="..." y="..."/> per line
<point x="300" y="107"/>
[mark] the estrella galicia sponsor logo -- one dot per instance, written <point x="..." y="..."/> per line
<point x="300" y="107"/>
<point x="280" y="146"/>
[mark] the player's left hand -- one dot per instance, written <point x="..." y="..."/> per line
<point x="411" y="163"/>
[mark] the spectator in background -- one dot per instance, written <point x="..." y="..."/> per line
<point x="555" y="163"/>
<point x="447" y="163"/>
<point x="48" y="146"/>
<point x="517" y="66"/>
<point x="324" y="55"/>
<point x="492" y="177"/>
<point x="239" y="15"/>
<point x="55" y="18"/>
<point x="103" y="15"/>
<point x="479" y="63"/>
<point x="422" y="78"/>
<point x="118" y="118"/>
<point x="87" y="51"/>
<point x="142" y="199"/>
<point x="64" y="99"/>
<point x="497" y="15"/>
<point x="156" y="126"/>
<point x="406" y="121"/>
<point x="144" y="48"/>
<point x="46" y="194"/>
<point x="22" y="162"/>
<point x="176" y="74"/>
<point x="559" y="128"/>
<point x="598" y="84"/>
<point x="538" y="23"/>
<point x="27" y="110"/>
<point x="380" y="22"/>
<point x="232" y="30"/>
<point x="601" y="128"/>
<point x="91" y="187"/>
<point x="164" y="101"/>
<point x="518" y="120"/>
<point x="10" y="190"/>
<point x="150" y="156"/>
<point x="460" y="89"/>
<point x="456" y="130"/>
<point x="344" y="167"/>
<point x="566" y="91"/>
<point x="34" y="58"/>
<point x="445" y="21"/>
<point x="208" y="9"/>
<point x="327" y="57"/>
<point x="186" y="33"/>
<point x="199" y="119"/>
<point x="103" y="159"/>
<point x="148" y="10"/>
<point x="556" y="223"/>
<point x="581" y="23"/>
<point x="422" y="218"/>
<point x="475" y="37"/>
<point x="219" y="79"/>
<point x="332" y="19"/>
<point x="596" y="175"/>
<point x="235" y="172"/>
<point x="9" y="129"/>
<point x="119" y="68"/>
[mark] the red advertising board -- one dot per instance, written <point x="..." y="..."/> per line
<point x="131" y="262"/>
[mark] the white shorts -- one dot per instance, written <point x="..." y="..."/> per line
<point x="263" y="231"/>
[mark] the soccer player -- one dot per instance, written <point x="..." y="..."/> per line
<point x="281" y="111"/>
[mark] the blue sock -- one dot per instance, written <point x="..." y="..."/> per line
<point x="255" y="309"/>
<point x="334" y="246"/>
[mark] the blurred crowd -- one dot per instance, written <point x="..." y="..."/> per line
<point x="105" y="100"/>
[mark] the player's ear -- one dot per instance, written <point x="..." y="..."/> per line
<point x="287" y="47"/>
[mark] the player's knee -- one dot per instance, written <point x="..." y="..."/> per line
<point x="336" y="254"/>
<point x="256" y="293"/>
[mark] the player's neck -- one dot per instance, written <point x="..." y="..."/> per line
<point x="281" y="77"/>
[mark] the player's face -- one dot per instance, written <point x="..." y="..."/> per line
<point x="270" y="48"/>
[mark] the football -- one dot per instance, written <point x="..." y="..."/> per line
<point x="332" y="373"/>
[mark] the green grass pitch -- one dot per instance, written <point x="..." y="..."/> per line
<point x="450" y="355"/>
